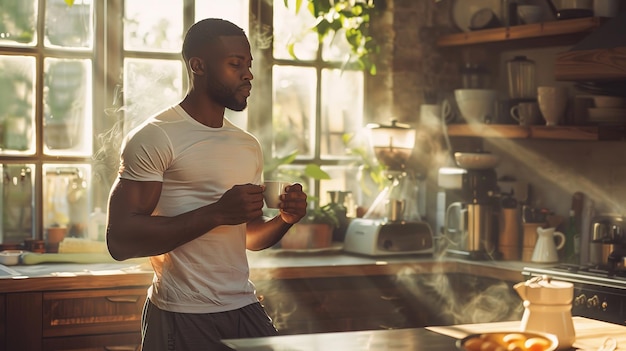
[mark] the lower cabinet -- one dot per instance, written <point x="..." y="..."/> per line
<point x="99" y="319"/>
<point x="320" y="305"/>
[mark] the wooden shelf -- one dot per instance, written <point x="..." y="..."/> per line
<point x="527" y="31"/>
<point x="599" y="64"/>
<point x="581" y="133"/>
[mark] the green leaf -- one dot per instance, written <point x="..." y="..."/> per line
<point x="315" y="172"/>
<point x="272" y="164"/>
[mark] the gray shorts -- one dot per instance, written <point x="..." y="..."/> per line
<point x="170" y="331"/>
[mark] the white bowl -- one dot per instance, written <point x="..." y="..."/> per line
<point x="476" y="105"/>
<point x="469" y="160"/>
<point x="530" y="13"/>
<point x="505" y="340"/>
<point x="608" y="101"/>
<point x="10" y="257"/>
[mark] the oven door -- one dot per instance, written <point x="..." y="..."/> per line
<point x="599" y="303"/>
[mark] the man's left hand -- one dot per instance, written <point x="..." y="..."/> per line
<point x="293" y="204"/>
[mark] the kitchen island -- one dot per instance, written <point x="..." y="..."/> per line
<point x="590" y="335"/>
<point x="75" y="306"/>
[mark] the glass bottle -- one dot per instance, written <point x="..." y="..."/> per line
<point x="521" y="76"/>
<point x="572" y="238"/>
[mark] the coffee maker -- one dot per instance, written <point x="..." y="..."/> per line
<point x="470" y="226"/>
<point x="392" y="225"/>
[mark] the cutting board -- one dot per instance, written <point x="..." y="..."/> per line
<point x="590" y="333"/>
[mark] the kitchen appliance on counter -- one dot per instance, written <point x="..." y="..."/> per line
<point x="548" y="308"/>
<point x="474" y="236"/>
<point x="607" y="249"/>
<point x="392" y="225"/>
<point x="598" y="293"/>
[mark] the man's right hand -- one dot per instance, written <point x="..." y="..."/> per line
<point x="240" y="204"/>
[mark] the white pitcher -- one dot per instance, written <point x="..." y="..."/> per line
<point x="546" y="249"/>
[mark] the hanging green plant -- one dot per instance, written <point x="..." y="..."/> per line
<point x="353" y="16"/>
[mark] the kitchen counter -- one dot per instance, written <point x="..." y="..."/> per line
<point x="415" y="339"/>
<point x="264" y="265"/>
<point x="286" y="264"/>
<point x="590" y="334"/>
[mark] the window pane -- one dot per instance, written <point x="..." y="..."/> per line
<point x="69" y="26"/>
<point x="153" y="26"/>
<point x="17" y="203"/>
<point x="342" y="108"/>
<point x="17" y="100"/>
<point x="66" y="199"/>
<point x="293" y="120"/>
<point x="150" y="86"/>
<point x="290" y="28"/>
<point x="67" y="107"/>
<point x="235" y="11"/>
<point x="18" y="22"/>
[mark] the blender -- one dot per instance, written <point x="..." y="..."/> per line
<point x="392" y="225"/>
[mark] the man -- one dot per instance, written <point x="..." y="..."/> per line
<point x="188" y="198"/>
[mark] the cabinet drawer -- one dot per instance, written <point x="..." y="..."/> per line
<point x="92" y="312"/>
<point x="104" y="342"/>
<point x="3" y="314"/>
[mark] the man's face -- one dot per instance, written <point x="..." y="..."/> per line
<point x="228" y="75"/>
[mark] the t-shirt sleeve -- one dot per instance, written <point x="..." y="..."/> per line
<point x="146" y="155"/>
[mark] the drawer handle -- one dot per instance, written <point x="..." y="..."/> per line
<point x="121" y="348"/>
<point x="126" y="299"/>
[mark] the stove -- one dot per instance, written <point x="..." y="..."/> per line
<point x="599" y="293"/>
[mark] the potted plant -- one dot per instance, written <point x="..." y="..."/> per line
<point x="314" y="231"/>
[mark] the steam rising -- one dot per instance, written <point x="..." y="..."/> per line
<point x="461" y="299"/>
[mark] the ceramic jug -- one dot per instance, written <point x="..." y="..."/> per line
<point x="548" y="308"/>
<point x="546" y="249"/>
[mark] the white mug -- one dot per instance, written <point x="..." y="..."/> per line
<point x="272" y="192"/>
<point x="552" y="102"/>
<point x="526" y="113"/>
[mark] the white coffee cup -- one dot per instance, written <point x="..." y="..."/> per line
<point x="273" y="190"/>
<point x="526" y="113"/>
<point x="552" y="102"/>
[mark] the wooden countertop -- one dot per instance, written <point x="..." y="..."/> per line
<point x="590" y="334"/>
<point x="264" y="265"/>
<point x="376" y="340"/>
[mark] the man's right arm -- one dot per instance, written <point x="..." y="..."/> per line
<point x="132" y="230"/>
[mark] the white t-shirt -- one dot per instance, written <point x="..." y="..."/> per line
<point x="196" y="165"/>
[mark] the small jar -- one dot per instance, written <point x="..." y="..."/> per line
<point x="474" y="76"/>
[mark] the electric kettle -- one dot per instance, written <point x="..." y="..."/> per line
<point x="548" y="308"/>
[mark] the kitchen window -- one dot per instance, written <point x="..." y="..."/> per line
<point x="75" y="78"/>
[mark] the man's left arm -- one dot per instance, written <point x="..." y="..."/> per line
<point x="263" y="233"/>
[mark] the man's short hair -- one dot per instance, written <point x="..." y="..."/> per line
<point x="206" y="32"/>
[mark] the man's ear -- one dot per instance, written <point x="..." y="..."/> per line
<point x="197" y="65"/>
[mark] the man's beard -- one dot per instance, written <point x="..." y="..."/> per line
<point x="226" y="96"/>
